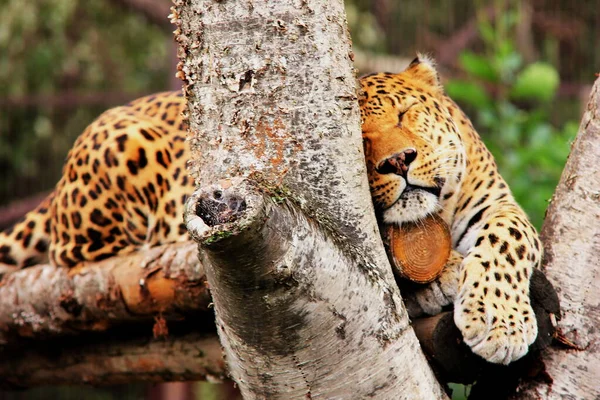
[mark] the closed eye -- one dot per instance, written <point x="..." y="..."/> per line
<point x="401" y="116"/>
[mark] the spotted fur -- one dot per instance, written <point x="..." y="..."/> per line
<point x="123" y="187"/>
<point x="424" y="157"/>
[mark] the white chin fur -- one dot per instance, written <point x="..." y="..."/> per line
<point x="411" y="207"/>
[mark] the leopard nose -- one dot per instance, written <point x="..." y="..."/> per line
<point x="398" y="163"/>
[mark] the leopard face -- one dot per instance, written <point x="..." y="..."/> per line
<point x="413" y="150"/>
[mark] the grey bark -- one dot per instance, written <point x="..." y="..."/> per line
<point x="305" y="299"/>
<point x="571" y="236"/>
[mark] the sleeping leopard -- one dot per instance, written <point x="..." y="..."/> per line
<point x="124" y="186"/>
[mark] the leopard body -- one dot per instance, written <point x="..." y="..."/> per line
<point x="123" y="187"/>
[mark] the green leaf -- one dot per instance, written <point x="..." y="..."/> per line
<point x="507" y="63"/>
<point x="537" y="81"/>
<point x="478" y="66"/>
<point x="487" y="32"/>
<point x="539" y="136"/>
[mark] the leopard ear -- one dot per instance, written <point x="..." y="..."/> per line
<point x="423" y="68"/>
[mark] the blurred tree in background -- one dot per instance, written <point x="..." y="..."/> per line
<point x="63" y="62"/>
<point x="519" y="68"/>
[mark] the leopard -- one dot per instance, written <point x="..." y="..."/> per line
<point x="124" y="187"/>
<point x="424" y="157"/>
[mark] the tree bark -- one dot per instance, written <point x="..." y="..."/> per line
<point x="571" y="235"/>
<point x="44" y="301"/>
<point x="305" y="300"/>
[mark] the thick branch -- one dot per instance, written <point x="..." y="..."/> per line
<point x="45" y="300"/>
<point x="270" y="93"/>
<point x="111" y="359"/>
<point x="571" y="235"/>
<point x="291" y="303"/>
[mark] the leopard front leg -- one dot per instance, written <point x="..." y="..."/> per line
<point x="492" y="309"/>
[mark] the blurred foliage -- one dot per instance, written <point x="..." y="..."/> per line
<point x="510" y="104"/>
<point x="50" y="47"/>
<point x="566" y="33"/>
<point x="459" y="392"/>
<point x="366" y="32"/>
<point x="410" y="26"/>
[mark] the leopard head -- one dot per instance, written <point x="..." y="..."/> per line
<point x="414" y="154"/>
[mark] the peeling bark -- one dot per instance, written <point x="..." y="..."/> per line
<point x="43" y="300"/>
<point x="571" y="235"/>
<point x="305" y="299"/>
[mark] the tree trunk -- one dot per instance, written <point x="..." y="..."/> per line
<point x="571" y="235"/>
<point x="305" y="299"/>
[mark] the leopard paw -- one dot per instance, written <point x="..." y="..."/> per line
<point x="495" y="325"/>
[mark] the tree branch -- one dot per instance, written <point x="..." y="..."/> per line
<point x="45" y="301"/>
<point x="111" y="359"/>
<point x="571" y="235"/>
<point x="288" y="304"/>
